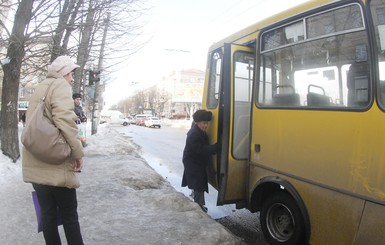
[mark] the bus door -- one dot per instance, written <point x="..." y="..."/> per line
<point x="234" y="123"/>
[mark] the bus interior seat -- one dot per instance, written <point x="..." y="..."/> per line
<point x="358" y="84"/>
<point x="317" y="99"/>
<point x="286" y="97"/>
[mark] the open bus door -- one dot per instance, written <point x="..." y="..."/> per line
<point x="234" y="123"/>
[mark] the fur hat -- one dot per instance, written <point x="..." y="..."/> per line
<point x="76" y="95"/>
<point x="62" y="65"/>
<point x="202" y="115"/>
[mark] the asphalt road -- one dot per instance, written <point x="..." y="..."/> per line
<point x="162" y="149"/>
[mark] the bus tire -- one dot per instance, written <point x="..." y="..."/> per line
<point x="281" y="220"/>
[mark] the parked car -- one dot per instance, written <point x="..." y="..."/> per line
<point x="152" y="122"/>
<point x="113" y="117"/>
<point x="139" y="119"/>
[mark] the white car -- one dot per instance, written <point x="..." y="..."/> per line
<point x="152" y="122"/>
<point x="113" y="117"/>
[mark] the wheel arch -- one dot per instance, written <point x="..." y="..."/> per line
<point x="273" y="184"/>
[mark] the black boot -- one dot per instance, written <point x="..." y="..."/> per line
<point x="203" y="208"/>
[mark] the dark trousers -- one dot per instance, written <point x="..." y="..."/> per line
<point x="50" y="198"/>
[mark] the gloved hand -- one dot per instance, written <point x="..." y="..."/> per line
<point x="215" y="147"/>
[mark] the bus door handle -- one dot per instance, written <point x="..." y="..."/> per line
<point x="257" y="148"/>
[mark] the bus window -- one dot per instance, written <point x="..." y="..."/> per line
<point x="311" y="72"/>
<point x="266" y="89"/>
<point x="243" y="77"/>
<point x="214" y="78"/>
<point x="319" y="87"/>
<point x="338" y="20"/>
<point x="377" y="8"/>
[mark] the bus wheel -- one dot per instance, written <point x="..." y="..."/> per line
<point x="281" y="220"/>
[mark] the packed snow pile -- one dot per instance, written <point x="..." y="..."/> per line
<point x="122" y="200"/>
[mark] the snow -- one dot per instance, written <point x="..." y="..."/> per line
<point x="122" y="200"/>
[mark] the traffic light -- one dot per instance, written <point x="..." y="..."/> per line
<point x="93" y="77"/>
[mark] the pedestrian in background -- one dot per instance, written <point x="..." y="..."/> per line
<point x="82" y="118"/>
<point x="196" y="157"/>
<point x="55" y="183"/>
<point x="77" y="97"/>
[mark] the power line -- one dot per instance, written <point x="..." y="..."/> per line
<point x="222" y="13"/>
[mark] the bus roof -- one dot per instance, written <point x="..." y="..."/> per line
<point x="243" y="36"/>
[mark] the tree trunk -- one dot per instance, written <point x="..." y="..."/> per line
<point x="84" y="48"/>
<point x="65" y="27"/>
<point x="59" y="32"/>
<point x="71" y="23"/>
<point x="97" y="107"/>
<point x="11" y="80"/>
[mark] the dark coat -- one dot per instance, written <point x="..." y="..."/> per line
<point x="196" y="158"/>
<point x="80" y="113"/>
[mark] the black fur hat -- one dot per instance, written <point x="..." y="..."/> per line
<point x="202" y="115"/>
<point x="76" y="95"/>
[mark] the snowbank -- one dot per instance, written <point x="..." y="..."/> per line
<point x="122" y="200"/>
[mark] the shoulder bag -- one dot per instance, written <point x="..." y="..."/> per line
<point x="42" y="138"/>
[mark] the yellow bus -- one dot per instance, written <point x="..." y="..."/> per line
<point x="298" y="103"/>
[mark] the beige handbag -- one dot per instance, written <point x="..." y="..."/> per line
<point x="42" y="138"/>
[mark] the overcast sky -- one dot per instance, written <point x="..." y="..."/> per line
<point x="181" y="32"/>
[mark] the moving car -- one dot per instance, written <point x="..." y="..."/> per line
<point x="152" y="122"/>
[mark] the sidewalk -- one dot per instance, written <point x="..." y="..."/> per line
<point x="121" y="201"/>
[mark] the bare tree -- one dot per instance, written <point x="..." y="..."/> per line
<point x="29" y="44"/>
<point x="65" y="25"/>
<point x="124" y="28"/>
<point x="85" y="43"/>
<point x="53" y="28"/>
<point x="11" y="68"/>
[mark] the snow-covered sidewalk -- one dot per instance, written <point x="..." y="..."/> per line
<point x="121" y="201"/>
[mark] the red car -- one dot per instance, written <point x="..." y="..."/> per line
<point x="139" y="119"/>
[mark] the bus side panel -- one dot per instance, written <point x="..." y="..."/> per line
<point x="334" y="217"/>
<point x="342" y="150"/>
<point x="372" y="225"/>
<point x="335" y="160"/>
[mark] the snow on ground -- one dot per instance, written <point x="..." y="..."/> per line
<point x="122" y="200"/>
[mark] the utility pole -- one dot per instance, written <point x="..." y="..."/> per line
<point x="99" y="85"/>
